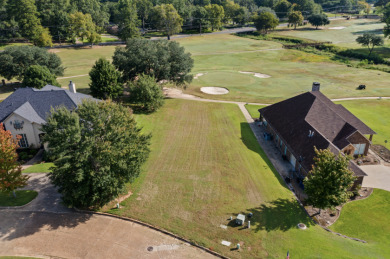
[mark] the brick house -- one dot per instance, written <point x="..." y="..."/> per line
<point x="309" y="120"/>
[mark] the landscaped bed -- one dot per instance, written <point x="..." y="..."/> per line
<point x="22" y="197"/>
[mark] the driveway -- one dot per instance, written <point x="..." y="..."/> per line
<point x="46" y="228"/>
<point x="378" y="176"/>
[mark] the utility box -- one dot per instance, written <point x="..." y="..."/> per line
<point x="240" y="219"/>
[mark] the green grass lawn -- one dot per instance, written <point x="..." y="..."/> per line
<point x="374" y="113"/>
<point x="39" y="168"/>
<point x="254" y="110"/>
<point x="292" y="72"/>
<point x="206" y="167"/>
<point x="344" y="37"/>
<point x="79" y="61"/>
<point x="367" y="219"/>
<point x="22" y="197"/>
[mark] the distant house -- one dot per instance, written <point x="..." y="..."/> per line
<point x="309" y="120"/>
<point x="26" y="110"/>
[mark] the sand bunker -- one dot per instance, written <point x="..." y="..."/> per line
<point x="199" y="75"/>
<point x="337" y="28"/>
<point x="259" y="75"/>
<point x="214" y="90"/>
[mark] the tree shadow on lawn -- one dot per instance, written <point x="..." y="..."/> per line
<point x="376" y="31"/>
<point x="280" y="214"/>
<point x="16" y="224"/>
<point x="250" y="141"/>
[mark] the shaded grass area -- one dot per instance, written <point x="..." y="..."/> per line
<point x="367" y="219"/>
<point x="254" y="110"/>
<point x="206" y="166"/>
<point x="39" y="168"/>
<point x="22" y="197"/>
<point x="374" y="113"/>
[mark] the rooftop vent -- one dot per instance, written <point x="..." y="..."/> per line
<point x="72" y="87"/>
<point x="315" y="87"/>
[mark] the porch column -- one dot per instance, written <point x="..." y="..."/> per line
<point x="371" y="137"/>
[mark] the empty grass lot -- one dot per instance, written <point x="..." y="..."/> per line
<point x="254" y="110"/>
<point x="39" y="168"/>
<point x="205" y="166"/>
<point x="367" y="219"/>
<point x="22" y="197"/>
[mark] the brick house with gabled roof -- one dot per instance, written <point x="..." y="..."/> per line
<point x="309" y="120"/>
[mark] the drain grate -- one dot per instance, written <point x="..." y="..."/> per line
<point x="150" y="248"/>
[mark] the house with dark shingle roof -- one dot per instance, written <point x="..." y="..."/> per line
<point x="26" y="110"/>
<point x="309" y="120"/>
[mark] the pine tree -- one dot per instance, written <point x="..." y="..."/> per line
<point x="11" y="176"/>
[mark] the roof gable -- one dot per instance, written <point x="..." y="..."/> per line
<point x="40" y="101"/>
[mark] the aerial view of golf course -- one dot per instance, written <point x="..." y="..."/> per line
<point x="185" y="168"/>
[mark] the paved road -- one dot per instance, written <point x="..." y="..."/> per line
<point x="378" y="176"/>
<point x="46" y="228"/>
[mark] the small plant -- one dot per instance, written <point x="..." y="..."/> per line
<point x="356" y="190"/>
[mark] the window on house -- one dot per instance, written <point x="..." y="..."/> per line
<point x="359" y="149"/>
<point x="23" y="141"/>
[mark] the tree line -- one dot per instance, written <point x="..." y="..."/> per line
<point x="44" y="21"/>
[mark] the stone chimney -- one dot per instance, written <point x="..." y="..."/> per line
<point x="72" y="87"/>
<point x="316" y="86"/>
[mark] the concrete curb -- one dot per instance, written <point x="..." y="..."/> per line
<point x="154" y="228"/>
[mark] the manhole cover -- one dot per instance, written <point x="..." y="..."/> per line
<point x="150" y="248"/>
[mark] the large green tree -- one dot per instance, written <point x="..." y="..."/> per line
<point x="127" y="20"/>
<point x="318" y="20"/>
<point x="25" y="13"/>
<point x="11" y="176"/>
<point x="16" y="59"/>
<point x="38" y="76"/>
<point x="82" y="26"/>
<point x="328" y="184"/>
<point x="295" y="18"/>
<point x="162" y="59"/>
<point x="98" y="149"/>
<point x="370" y="40"/>
<point x="215" y="14"/>
<point x="167" y="19"/>
<point x="147" y="93"/>
<point x="105" y="80"/>
<point x="144" y="10"/>
<point x="265" y="21"/>
<point x="54" y="15"/>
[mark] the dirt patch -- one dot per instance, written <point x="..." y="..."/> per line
<point x="337" y="28"/>
<point x="214" y="90"/>
<point x="382" y="151"/>
<point x="259" y="75"/>
<point x="328" y="217"/>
